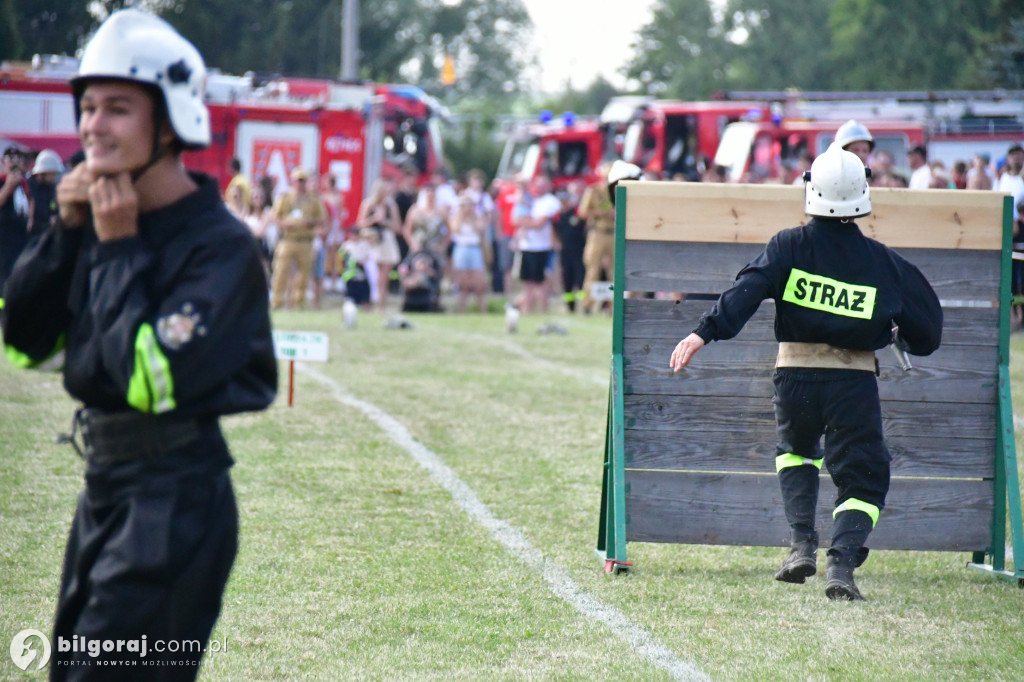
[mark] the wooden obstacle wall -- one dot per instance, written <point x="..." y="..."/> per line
<point x="692" y="454"/>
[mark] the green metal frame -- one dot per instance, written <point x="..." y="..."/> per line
<point x="611" y="535"/>
<point x="1007" y="482"/>
<point x="611" y="539"/>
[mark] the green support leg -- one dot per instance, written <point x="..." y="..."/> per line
<point x="1007" y="484"/>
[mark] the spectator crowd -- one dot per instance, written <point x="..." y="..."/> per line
<point x="414" y="244"/>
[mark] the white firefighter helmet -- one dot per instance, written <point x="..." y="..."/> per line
<point x="621" y="170"/>
<point x="837" y="185"/>
<point x="48" y="161"/>
<point x="137" y="46"/>
<point x="852" y="131"/>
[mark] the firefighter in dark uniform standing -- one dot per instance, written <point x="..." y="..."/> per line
<point x="156" y="296"/>
<point x="839" y="297"/>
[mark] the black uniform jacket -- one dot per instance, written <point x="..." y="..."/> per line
<point x="833" y="285"/>
<point x="175" y="319"/>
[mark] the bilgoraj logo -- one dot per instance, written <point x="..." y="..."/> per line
<point x="22" y="652"/>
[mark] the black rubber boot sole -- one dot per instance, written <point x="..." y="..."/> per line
<point x="838" y="590"/>
<point x="796" y="572"/>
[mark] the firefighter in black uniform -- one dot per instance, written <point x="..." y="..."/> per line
<point x="156" y="296"/>
<point x="839" y="296"/>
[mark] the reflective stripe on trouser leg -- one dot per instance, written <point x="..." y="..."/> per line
<point x="790" y="460"/>
<point x="798" y="482"/>
<point x="849" y="535"/>
<point x="859" y="505"/>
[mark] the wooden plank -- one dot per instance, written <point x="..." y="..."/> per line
<point x="693" y="415"/>
<point x="753" y="451"/>
<point x="648" y="319"/>
<point x="700" y="267"/>
<point x="739" y="509"/>
<point x="719" y="434"/>
<point x="733" y="213"/>
<point x="952" y="374"/>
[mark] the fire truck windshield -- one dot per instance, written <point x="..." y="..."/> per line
<point x="405" y="144"/>
<point x="734" y="149"/>
<point x="631" y="144"/>
<point x="520" y="158"/>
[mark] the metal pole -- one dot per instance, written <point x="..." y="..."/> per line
<point x="349" y="39"/>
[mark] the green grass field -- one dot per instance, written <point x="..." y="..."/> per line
<point x="356" y="561"/>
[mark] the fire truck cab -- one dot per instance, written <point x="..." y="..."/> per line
<point x="564" y="150"/>
<point x="669" y="138"/>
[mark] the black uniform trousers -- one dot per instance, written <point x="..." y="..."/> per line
<point x="842" y="405"/>
<point x="149" y="554"/>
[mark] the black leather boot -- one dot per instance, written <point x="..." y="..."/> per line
<point x="839" y="583"/>
<point x="802" y="561"/>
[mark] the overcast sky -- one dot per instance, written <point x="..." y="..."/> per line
<point x="584" y="38"/>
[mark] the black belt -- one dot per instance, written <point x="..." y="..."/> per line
<point x="123" y="436"/>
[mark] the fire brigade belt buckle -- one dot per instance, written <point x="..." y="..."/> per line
<point x="125" y="435"/>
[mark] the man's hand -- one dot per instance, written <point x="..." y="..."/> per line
<point x="14" y="178"/>
<point x="115" y="207"/>
<point x="684" y="352"/>
<point x="73" y="196"/>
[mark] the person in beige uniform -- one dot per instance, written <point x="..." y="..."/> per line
<point x="597" y="209"/>
<point x="298" y="213"/>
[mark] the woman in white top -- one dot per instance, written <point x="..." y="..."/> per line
<point x="380" y="213"/>
<point x="426" y="226"/>
<point x="256" y="215"/>
<point x="468" y="271"/>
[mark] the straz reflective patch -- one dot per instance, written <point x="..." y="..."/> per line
<point x="829" y="295"/>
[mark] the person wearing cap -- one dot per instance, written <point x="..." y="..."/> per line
<point x="854" y="137"/>
<point x="14" y="211"/>
<point x="839" y="296"/>
<point x="596" y="209"/>
<point x="155" y="295"/>
<point x="299" y="214"/>
<point x="42" y="187"/>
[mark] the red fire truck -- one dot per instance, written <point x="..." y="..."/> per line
<point x="564" y="149"/>
<point x="951" y="125"/>
<point x="661" y="136"/>
<point x="669" y="138"/>
<point x="356" y="132"/>
<point x="765" y="150"/>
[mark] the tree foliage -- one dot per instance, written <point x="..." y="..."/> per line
<point x="691" y="50"/>
<point x="908" y="44"/>
<point x="399" y="39"/>
<point x="786" y="42"/>
<point x="682" y="52"/>
<point x="1004" y="63"/>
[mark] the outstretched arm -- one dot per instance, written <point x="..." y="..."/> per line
<point x="684" y="352"/>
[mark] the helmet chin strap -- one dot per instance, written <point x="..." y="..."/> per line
<point x="154" y="158"/>
<point x="156" y="154"/>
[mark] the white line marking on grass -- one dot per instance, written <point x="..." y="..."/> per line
<point x="514" y="541"/>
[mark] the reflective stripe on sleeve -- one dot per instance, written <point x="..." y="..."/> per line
<point x="151" y="387"/>
<point x="22" y="361"/>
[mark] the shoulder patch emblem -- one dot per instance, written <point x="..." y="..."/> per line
<point x="177" y="329"/>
